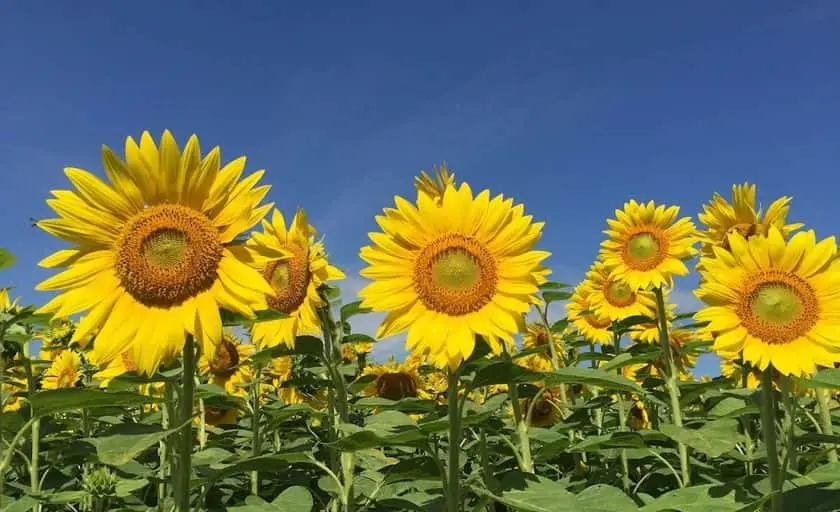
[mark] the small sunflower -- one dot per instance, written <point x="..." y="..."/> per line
<point x="741" y="216"/>
<point x="591" y="325"/>
<point x="226" y="367"/>
<point x="449" y="270"/>
<point x="64" y="372"/>
<point x="395" y="381"/>
<point x="774" y="301"/>
<point x="732" y="369"/>
<point x="434" y="185"/>
<point x="294" y="279"/>
<point x="280" y="372"/>
<point x="536" y="335"/>
<point x="637" y="417"/>
<point x="613" y="298"/>
<point x="648" y="332"/>
<point x="55" y="338"/>
<point x="153" y="255"/>
<point x="352" y="351"/>
<point x="12" y="389"/>
<point x="647" y="245"/>
<point x="684" y="359"/>
<point x="545" y="412"/>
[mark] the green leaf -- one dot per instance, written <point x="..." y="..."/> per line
<point x="268" y="463"/>
<point x="354" y="308"/>
<point x="604" y="498"/>
<point x="126" y="486"/>
<point x="554" y="285"/>
<point x="231" y="319"/>
<point x="826" y="378"/>
<point x="7" y="259"/>
<point x="614" y="440"/>
<point x="503" y="372"/>
<point x="550" y="297"/>
<point x="714" y="438"/>
<point x="593" y="377"/>
<point x="531" y="493"/>
<point x="60" y="400"/>
<point x="358" y="338"/>
<point x="293" y="499"/>
<point x="409" y="404"/>
<point x="699" y="498"/>
<point x="731" y="407"/>
<point x="119" y="448"/>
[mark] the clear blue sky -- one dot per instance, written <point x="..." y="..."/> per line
<point x="570" y="107"/>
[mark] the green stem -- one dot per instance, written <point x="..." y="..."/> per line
<point x="789" y="406"/>
<point x="671" y="381"/>
<point x="824" y="400"/>
<point x="453" y="487"/>
<point x="182" y="492"/>
<point x="256" y="447"/>
<point x="163" y="446"/>
<point x="34" y="460"/>
<point x="768" y="430"/>
<point x="622" y="421"/>
<point x="525" y="458"/>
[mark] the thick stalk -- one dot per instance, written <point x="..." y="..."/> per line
<point x="526" y="464"/>
<point x="34" y="469"/>
<point x="163" y="451"/>
<point x="182" y="492"/>
<point x="768" y="430"/>
<point x="790" y="409"/>
<point x="671" y="380"/>
<point x="256" y="447"/>
<point x="453" y="487"/>
<point x="824" y="399"/>
<point x="622" y="421"/>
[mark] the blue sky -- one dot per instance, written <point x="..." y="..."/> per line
<point x="570" y="107"/>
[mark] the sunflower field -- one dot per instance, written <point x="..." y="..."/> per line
<point x="195" y="355"/>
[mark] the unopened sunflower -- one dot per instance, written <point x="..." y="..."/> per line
<point x="537" y="336"/>
<point x="648" y="245"/>
<point x="590" y="324"/>
<point x="615" y="299"/>
<point x="64" y="372"/>
<point x="774" y="302"/>
<point x="448" y="271"/>
<point x="226" y="366"/>
<point x="152" y="257"/>
<point x="294" y="279"/>
<point x="741" y="216"/>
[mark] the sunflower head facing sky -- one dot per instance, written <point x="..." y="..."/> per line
<point x="615" y="299"/>
<point x="647" y="244"/>
<point x="294" y="278"/>
<point x="450" y="270"/>
<point x="591" y="325"/>
<point x="150" y="259"/>
<point x="774" y="301"/>
<point x="64" y="372"/>
<point x="720" y="217"/>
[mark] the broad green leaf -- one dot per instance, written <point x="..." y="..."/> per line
<point x="714" y="438"/>
<point x="617" y="362"/>
<point x="550" y="297"/>
<point x="825" y="378"/>
<point x="119" y="448"/>
<point x="60" y="400"/>
<point x="614" y="440"/>
<point x="532" y="493"/>
<point x="293" y="499"/>
<point x="700" y="498"/>
<point x="731" y="407"/>
<point x="604" y="498"/>
<point x="354" y="308"/>
<point x="404" y="405"/>
<point x="554" y="285"/>
<point x="593" y="377"/>
<point x="267" y="463"/>
<point x="503" y="372"/>
<point x="128" y="486"/>
<point x="7" y="259"/>
<point x="358" y="338"/>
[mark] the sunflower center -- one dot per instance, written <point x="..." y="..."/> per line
<point x="455" y="275"/>
<point x="290" y="280"/>
<point x="541" y="338"/>
<point x="396" y="386"/>
<point x="225" y="360"/>
<point x="167" y="254"/>
<point x="746" y="230"/>
<point x="619" y="294"/>
<point x="777" y="307"/>
<point x="645" y="249"/>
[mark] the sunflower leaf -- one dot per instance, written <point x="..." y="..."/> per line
<point x="353" y="309"/>
<point x="7" y="259"/>
<point x="60" y="400"/>
<point x="550" y="297"/>
<point x="592" y="377"/>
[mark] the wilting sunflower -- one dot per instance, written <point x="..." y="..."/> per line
<point x="545" y="411"/>
<point x="648" y="332"/>
<point x="395" y="381"/>
<point x="684" y="359"/>
<point x="225" y="366"/>
<point x="613" y="298"/>
<point x="774" y="301"/>
<point x="637" y="416"/>
<point x="64" y="372"/>
<point x="591" y="325"/>
<point x="151" y="257"/>
<point x="446" y="272"/>
<point x="647" y="245"/>
<point x="536" y="336"/>
<point x="434" y="185"/>
<point x="294" y="279"/>
<point x="741" y="216"/>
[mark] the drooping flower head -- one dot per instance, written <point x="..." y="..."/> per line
<point x="648" y="245"/>
<point x="64" y="372"/>
<point x="294" y="279"/>
<point x="613" y="298"/>
<point x="774" y="301"/>
<point x="452" y="270"/>
<point x="591" y="325"/>
<point x="151" y="258"/>
<point x="544" y="409"/>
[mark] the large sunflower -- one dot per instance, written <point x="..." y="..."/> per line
<point x="294" y="279"/>
<point x="446" y="272"/>
<point x="613" y="298"/>
<point x="647" y="245"/>
<point x="591" y="325"/>
<point x="535" y="336"/>
<point x="773" y="301"/>
<point x="64" y="372"/>
<point x="226" y="366"/>
<point x="152" y="259"/>
<point x="741" y="216"/>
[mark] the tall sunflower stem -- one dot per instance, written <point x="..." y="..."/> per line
<point x="824" y="400"/>
<point x="789" y="423"/>
<point x="622" y="421"/>
<point x="453" y="487"/>
<point x="35" y="457"/>
<point x="526" y="461"/>
<point x="163" y="446"/>
<point x="256" y="440"/>
<point x="768" y="430"/>
<point x="184" y="467"/>
<point x="671" y="381"/>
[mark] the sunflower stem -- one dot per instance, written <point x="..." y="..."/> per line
<point x="824" y="400"/>
<point x="768" y="430"/>
<point x="622" y="420"/>
<point x="789" y="423"/>
<point x="453" y="487"/>
<point x="34" y="470"/>
<point x="182" y="492"/>
<point x="256" y="447"/>
<point x="671" y="381"/>
<point x="163" y="452"/>
<point x="526" y="463"/>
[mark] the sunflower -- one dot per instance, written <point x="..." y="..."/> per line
<point x="648" y="332"/>
<point x="637" y="417"/>
<point x="647" y="245"/>
<point x="613" y="298"/>
<point x="773" y="301"/>
<point x="12" y="389"/>
<point x="395" y="381"/>
<point x="433" y="186"/>
<point x="446" y="272"/>
<point x="353" y="351"/>
<point x="153" y="256"/>
<point x="280" y="372"/>
<point x="732" y="369"/>
<point x="55" y="338"/>
<point x="6" y="303"/>
<point x="226" y="366"/>
<point x="294" y="279"/>
<point x="114" y="368"/>
<point x="545" y="411"/>
<point x="590" y="324"/>
<point x="535" y="336"/>
<point x="741" y="216"/>
<point x="64" y="372"/>
<point x="215" y="416"/>
<point x="684" y="359"/>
